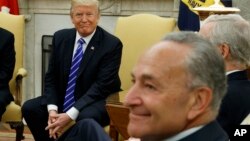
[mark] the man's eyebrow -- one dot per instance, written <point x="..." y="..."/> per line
<point x="147" y="77"/>
<point x="144" y="76"/>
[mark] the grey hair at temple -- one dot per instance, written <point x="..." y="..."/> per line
<point x="234" y="31"/>
<point x="205" y="66"/>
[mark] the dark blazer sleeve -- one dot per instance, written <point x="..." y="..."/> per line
<point x="7" y="62"/>
<point x="54" y="87"/>
<point x="7" y="55"/>
<point x="49" y="95"/>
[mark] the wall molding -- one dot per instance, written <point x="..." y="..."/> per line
<point x="166" y="8"/>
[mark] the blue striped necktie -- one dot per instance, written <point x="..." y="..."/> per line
<point x="69" y="99"/>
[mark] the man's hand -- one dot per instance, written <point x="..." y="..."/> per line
<point x="56" y="123"/>
<point x="51" y="120"/>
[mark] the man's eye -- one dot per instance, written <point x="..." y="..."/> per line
<point x="133" y="81"/>
<point x="78" y="15"/>
<point x="89" y="14"/>
<point x="149" y="86"/>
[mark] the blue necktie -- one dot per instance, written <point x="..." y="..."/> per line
<point x="69" y="99"/>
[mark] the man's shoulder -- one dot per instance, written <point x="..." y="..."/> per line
<point x="238" y="85"/>
<point x="210" y="132"/>
<point x="238" y="89"/>
<point x="65" y="31"/>
<point x="105" y="34"/>
<point x="5" y="32"/>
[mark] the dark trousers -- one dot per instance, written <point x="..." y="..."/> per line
<point x="36" y="116"/>
<point x="85" y="130"/>
<point x="5" y="99"/>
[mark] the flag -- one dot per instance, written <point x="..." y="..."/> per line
<point x="188" y="19"/>
<point x="12" y="5"/>
<point x="227" y="3"/>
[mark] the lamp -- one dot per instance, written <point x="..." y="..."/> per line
<point x="216" y="8"/>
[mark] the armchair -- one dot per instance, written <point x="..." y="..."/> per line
<point x="137" y="32"/>
<point x="12" y="115"/>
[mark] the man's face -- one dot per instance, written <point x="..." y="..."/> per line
<point x="159" y="98"/>
<point x="85" y="19"/>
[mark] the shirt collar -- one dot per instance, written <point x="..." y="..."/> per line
<point x="229" y="72"/>
<point x="184" y="134"/>
<point x="86" y="39"/>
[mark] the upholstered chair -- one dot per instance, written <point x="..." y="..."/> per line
<point x="137" y="32"/>
<point x="12" y="115"/>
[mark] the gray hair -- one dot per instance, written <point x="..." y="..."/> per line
<point x="84" y="2"/>
<point x="205" y="66"/>
<point x="233" y="30"/>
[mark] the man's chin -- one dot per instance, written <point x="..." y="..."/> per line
<point x="84" y="32"/>
<point x="135" y="130"/>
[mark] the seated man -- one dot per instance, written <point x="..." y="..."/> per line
<point x="177" y="90"/>
<point x="7" y="65"/>
<point x="178" y="87"/>
<point x="230" y="33"/>
<point x="82" y="73"/>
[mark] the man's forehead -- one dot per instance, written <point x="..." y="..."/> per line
<point x="167" y="52"/>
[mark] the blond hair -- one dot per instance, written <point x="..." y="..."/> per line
<point x="84" y="2"/>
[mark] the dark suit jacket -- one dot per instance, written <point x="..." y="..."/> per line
<point x="7" y="64"/>
<point x="98" y="72"/>
<point x="236" y="103"/>
<point x="210" y="132"/>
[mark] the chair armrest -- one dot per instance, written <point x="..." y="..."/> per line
<point x="117" y="98"/>
<point x="113" y="98"/>
<point x="21" y="73"/>
<point x="119" y="118"/>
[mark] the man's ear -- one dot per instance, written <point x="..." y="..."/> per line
<point x="200" y="102"/>
<point x="225" y="50"/>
